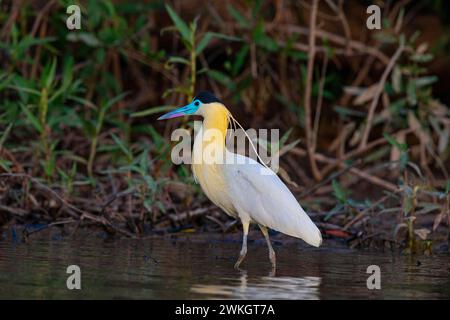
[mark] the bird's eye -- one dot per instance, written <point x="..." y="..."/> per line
<point x="196" y="103"/>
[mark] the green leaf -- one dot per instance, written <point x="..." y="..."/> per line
<point x="49" y="74"/>
<point x="396" y="79"/>
<point x="398" y="106"/>
<point x="240" y="58"/>
<point x="298" y="55"/>
<point x="30" y="116"/>
<point x="88" y="38"/>
<point x="385" y="37"/>
<point x="334" y="211"/>
<point x="238" y="17"/>
<point x="122" y="146"/>
<point x="83" y="101"/>
<point x="5" y="165"/>
<point x="411" y="93"/>
<point x="344" y="112"/>
<point x="339" y="192"/>
<point x="144" y="162"/>
<point x="24" y="89"/>
<point x="263" y="40"/>
<point x="207" y="38"/>
<point x="204" y="42"/>
<point x="222" y="78"/>
<point x="28" y="41"/>
<point x="151" y="111"/>
<point x="181" y="26"/>
<point x="400" y="146"/>
<point x="285" y="137"/>
<point x="178" y="60"/>
<point x="422" y="58"/>
<point x="4" y="80"/>
<point x="425" y="81"/>
<point x="67" y="71"/>
<point x="407" y="205"/>
<point x="256" y="7"/>
<point x="116" y="99"/>
<point x="109" y="7"/>
<point x="5" y="135"/>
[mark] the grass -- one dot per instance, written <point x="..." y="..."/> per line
<point x="79" y="141"/>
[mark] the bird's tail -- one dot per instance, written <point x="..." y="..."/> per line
<point x="310" y="233"/>
<point x="315" y="238"/>
<point x="304" y="228"/>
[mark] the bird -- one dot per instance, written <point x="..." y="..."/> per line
<point x="242" y="187"/>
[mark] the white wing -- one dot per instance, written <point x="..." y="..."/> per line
<point x="259" y="193"/>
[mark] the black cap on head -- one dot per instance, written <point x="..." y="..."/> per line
<point x="206" y="97"/>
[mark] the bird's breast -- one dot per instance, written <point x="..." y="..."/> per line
<point x="213" y="183"/>
<point x="210" y="174"/>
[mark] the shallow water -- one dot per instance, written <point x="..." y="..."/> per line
<point x="202" y="268"/>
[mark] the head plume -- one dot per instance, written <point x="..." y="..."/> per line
<point x="206" y="97"/>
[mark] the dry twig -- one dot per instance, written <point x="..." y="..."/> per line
<point x="380" y="89"/>
<point x="308" y="90"/>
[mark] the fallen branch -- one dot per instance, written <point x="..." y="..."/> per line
<point x="16" y="211"/>
<point x="43" y="187"/>
<point x="27" y="233"/>
<point x="373" y="179"/>
<point x="189" y="214"/>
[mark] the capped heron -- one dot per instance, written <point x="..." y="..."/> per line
<point x="240" y="186"/>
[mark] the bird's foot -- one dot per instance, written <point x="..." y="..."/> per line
<point x="239" y="261"/>
<point x="273" y="271"/>
<point x="237" y="264"/>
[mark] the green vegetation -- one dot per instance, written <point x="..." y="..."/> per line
<point x="80" y="145"/>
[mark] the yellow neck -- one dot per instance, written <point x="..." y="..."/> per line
<point x="215" y="116"/>
<point x="211" y="139"/>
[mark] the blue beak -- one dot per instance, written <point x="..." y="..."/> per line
<point x="184" y="111"/>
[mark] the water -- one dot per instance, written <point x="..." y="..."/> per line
<point x="201" y="267"/>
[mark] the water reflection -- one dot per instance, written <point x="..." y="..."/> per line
<point x="202" y="268"/>
<point x="302" y="288"/>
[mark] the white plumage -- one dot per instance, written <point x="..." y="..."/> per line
<point x="260" y="195"/>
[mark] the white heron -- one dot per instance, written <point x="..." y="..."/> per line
<point x="241" y="186"/>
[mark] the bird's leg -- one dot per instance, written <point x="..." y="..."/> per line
<point x="271" y="251"/>
<point x="245" y="226"/>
